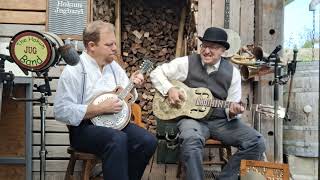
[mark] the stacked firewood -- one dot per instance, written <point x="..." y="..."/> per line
<point x="104" y="10"/>
<point x="149" y="32"/>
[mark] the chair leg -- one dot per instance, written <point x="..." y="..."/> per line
<point x="229" y="153"/>
<point x="178" y="170"/>
<point x="70" y="169"/>
<point x="87" y="168"/>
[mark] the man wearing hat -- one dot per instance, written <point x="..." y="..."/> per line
<point x="208" y="69"/>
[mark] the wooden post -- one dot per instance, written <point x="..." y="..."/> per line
<point x="211" y="13"/>
<point x="181" y="32"/>
<point x="118" y="25"/>
<point x="268" y="34"/>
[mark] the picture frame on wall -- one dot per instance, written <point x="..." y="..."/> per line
<point x="68" y="18"/>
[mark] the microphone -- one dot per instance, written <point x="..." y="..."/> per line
<point x="276" y="50"/>
<point x="69" y="54"/>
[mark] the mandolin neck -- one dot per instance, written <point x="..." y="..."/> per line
<point x="124" y="93"/>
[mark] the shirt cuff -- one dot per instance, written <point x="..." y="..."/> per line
<point x="166" y="88"/>
<point x="82" y="109"/>
<point x="228" y="117"/>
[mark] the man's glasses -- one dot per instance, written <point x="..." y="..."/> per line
<point x="210" y="46"/>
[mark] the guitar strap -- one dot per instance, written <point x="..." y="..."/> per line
<point x="84" y="80"/>
<point x="115" y="77"/>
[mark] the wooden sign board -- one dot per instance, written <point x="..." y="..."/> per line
<point x="68" y="18"/>
<point x="270" y="170"/>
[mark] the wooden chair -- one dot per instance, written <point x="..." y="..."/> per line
<point x="224" y="155"/>
<point x="90" y="160"/>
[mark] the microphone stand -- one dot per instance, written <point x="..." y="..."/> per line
<point x="5" y="77"/>
<point x="291" y="71"/>
<point x="45" y="91"/>
<point x="274" y="57"/>
<point x="278" y="124"/>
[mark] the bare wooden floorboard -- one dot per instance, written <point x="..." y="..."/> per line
<point x="171" y="171"/>
<point x="148" y="169"/>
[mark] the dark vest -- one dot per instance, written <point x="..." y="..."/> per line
<point x="218" y="82"/>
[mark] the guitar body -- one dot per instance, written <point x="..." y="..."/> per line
<point x="164" y="111"/>
<point x="116" y="120"/>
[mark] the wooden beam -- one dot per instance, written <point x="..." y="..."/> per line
<point x="181" y="32"/>
<point x="203" y="18"/>
<point x="247" y="22"/>
<point x="235" y="16"/>
<point x="217" y="10"/>
<point x="10" y="30"/>
<point x="22" y="17"/>
<point x="38" y="5"/>
<point x="268" y="34"/>
<point x="118" y="25"/>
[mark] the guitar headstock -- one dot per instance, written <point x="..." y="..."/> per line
<point x="146" y="66"/>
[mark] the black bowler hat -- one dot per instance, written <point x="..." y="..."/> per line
<point x="216" y="35"/>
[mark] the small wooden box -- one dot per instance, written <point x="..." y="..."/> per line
<point x="270" y="170"/>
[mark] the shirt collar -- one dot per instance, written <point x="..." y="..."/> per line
<point x="92" y="61"/>
<point x="216" y="66"/>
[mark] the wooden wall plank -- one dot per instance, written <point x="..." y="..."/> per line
<point x="235" y="16"/>
<point x="58" y="175"/>
<point x="53" y="151"/>
<point x="247" y="22"/>
<point x="36" y="111"/>
<point x="52" y="138"/>
<point x="12" y="29"/>
<point x="217" y="10"/>
<point x="56" y="71"/>
<point x="38" y="5"/>
<point x="22" y="17"/>
<point x="204" y="16"/>
<point x="55" y="165"/>
<point x="51" y="125"/>
<point x="5" y="40"/>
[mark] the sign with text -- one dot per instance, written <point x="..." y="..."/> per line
<point x="68" y="18"/>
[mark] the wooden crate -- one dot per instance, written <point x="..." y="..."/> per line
<point x="268" y="169"/>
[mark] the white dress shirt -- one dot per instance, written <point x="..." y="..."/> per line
<point x="178" y="68"/>
<point x="67" y="103"/>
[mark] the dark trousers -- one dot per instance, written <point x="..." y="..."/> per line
<point x="124" y="154"/>
<point x="235" y="133"/>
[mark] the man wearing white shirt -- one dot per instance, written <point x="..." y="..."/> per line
<point x="124" y="153"/>
<point x="208" y="69"/>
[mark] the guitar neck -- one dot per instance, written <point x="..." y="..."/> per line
<point x="217" y="103"/>
<point x="145" y="67"/>
<point x="123" y="94"/>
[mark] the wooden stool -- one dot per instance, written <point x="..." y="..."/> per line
<point x="90" y="160"/>
<point x="224" y="155"/>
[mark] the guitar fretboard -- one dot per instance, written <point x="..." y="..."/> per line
<point x="220" y="103"/>
<point x="212" y="103"/>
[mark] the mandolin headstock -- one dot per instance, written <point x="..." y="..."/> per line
<point x="146" y="66"/>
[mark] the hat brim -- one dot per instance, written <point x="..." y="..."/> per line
<point x="223" y="43"/>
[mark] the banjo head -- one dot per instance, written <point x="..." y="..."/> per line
<point x="116" y="120"/>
